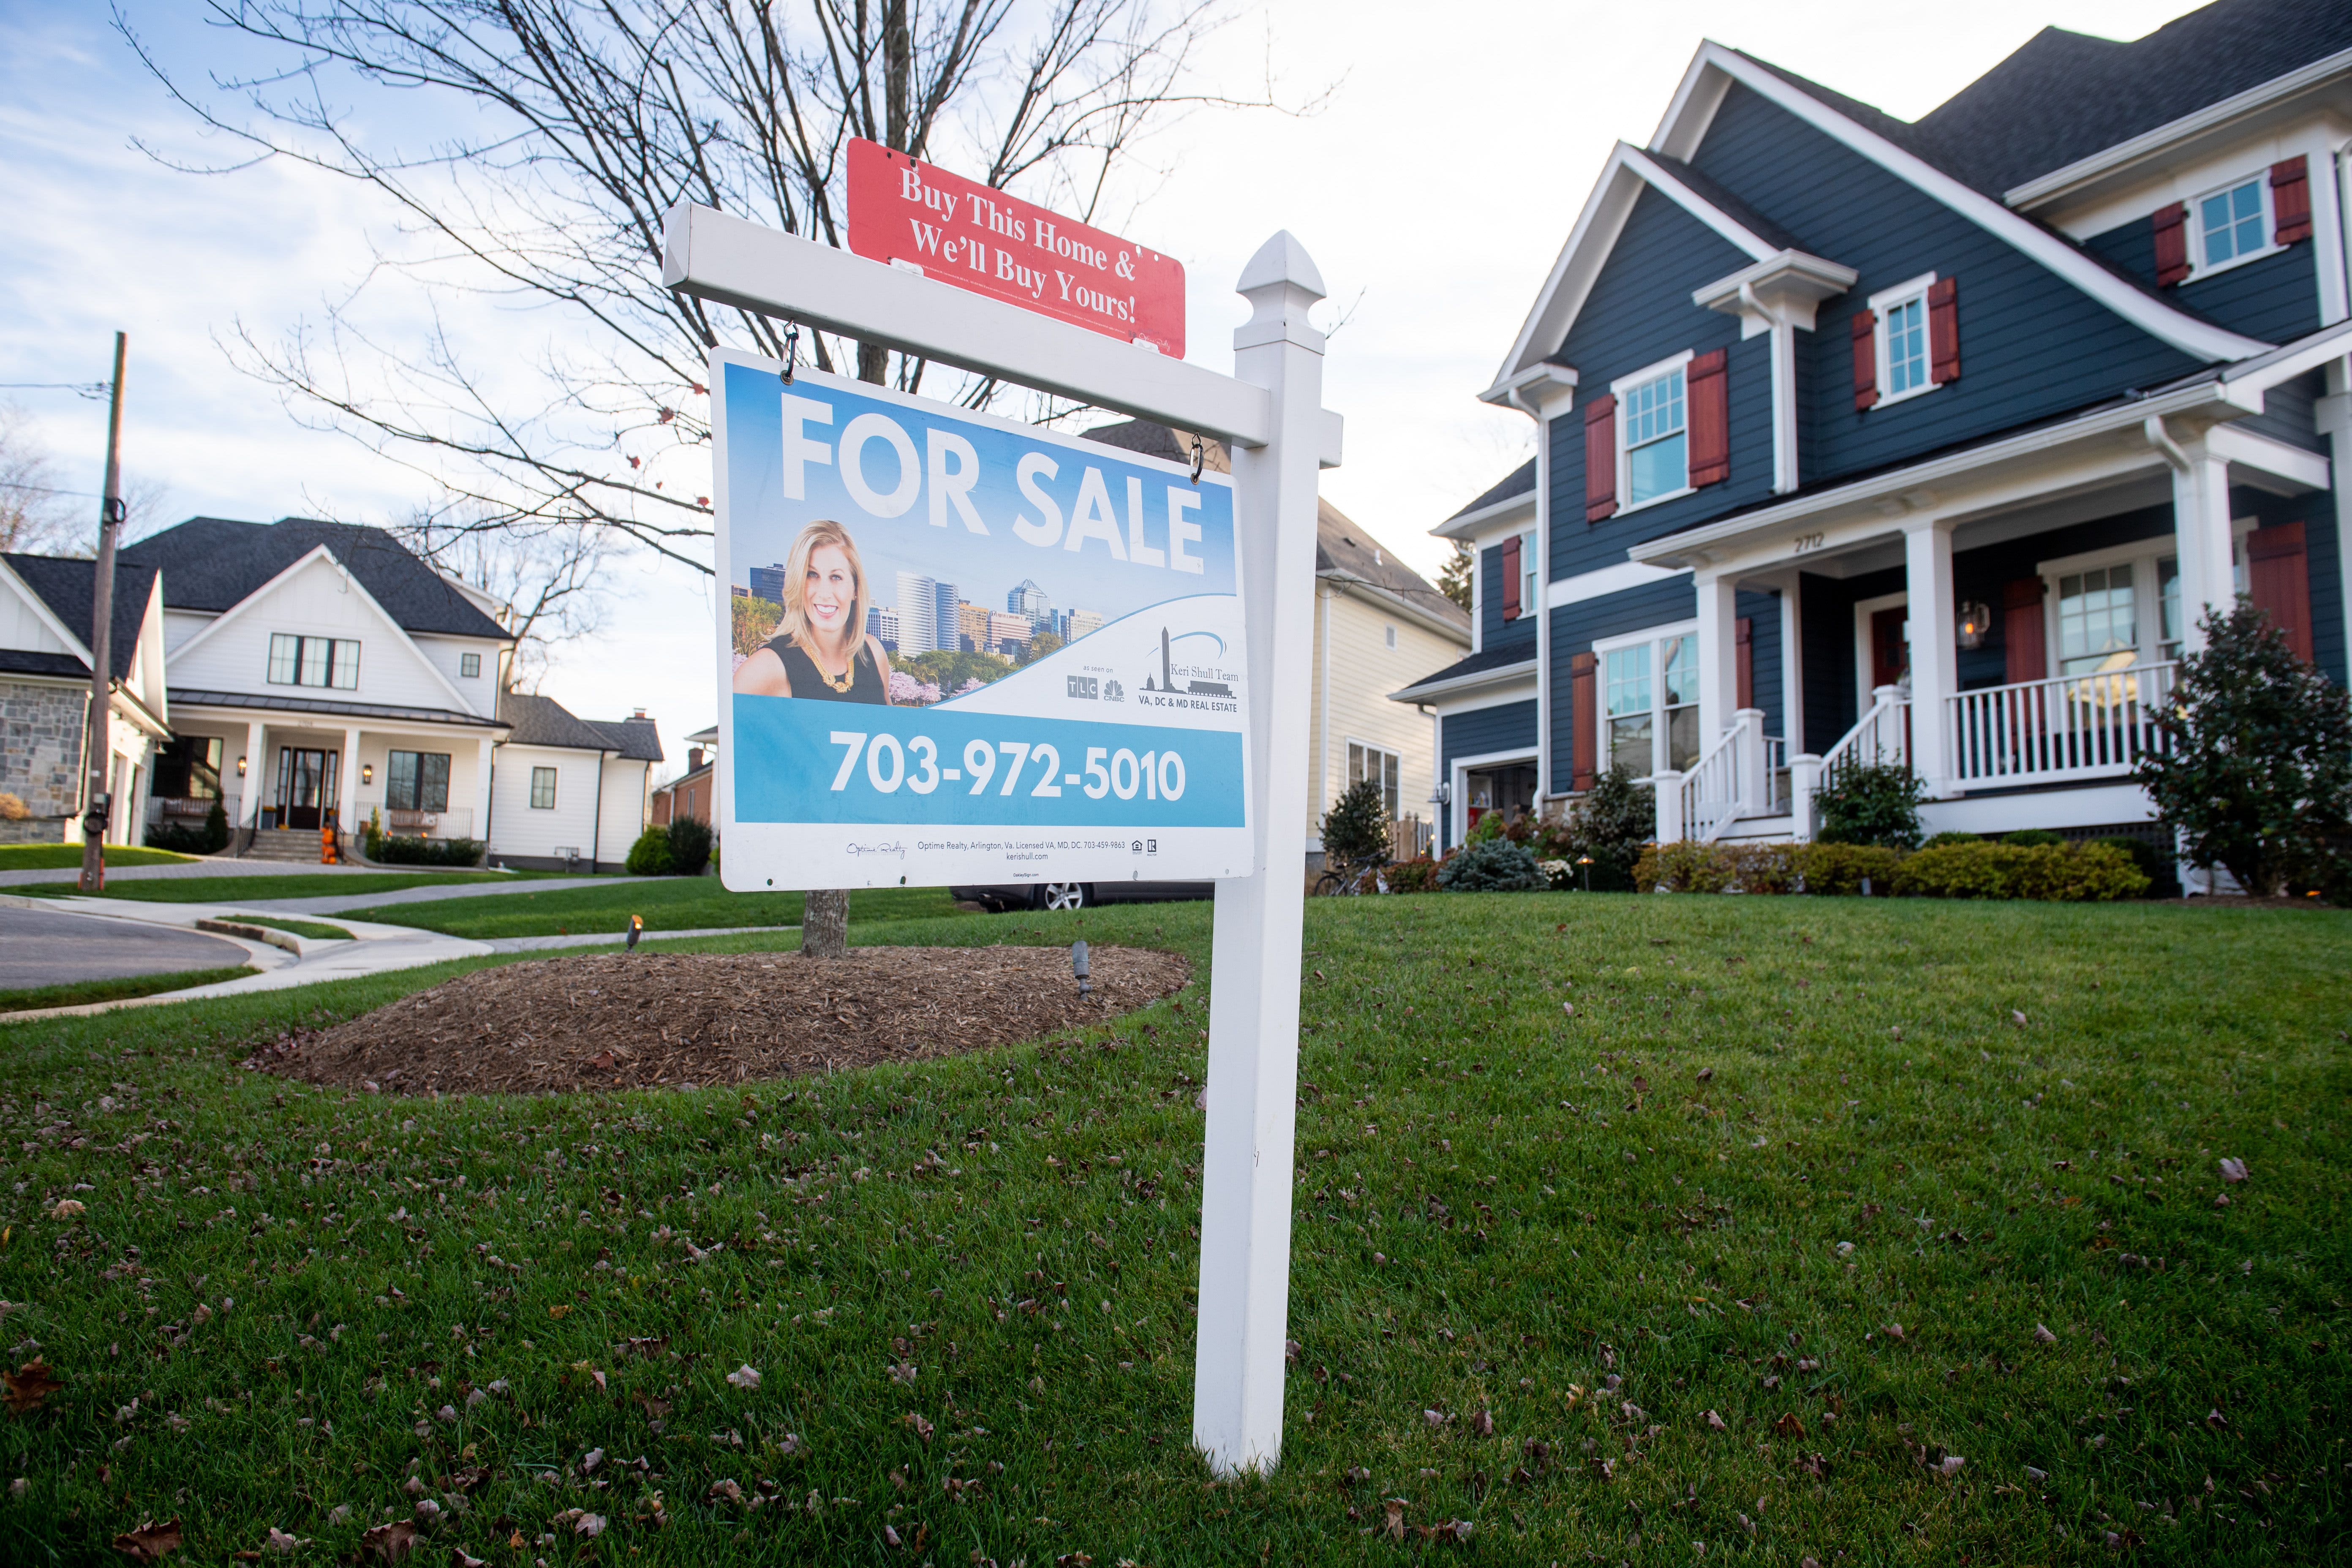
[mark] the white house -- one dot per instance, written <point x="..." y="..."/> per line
<point x="569" y="793"/>
<point x="44" y="661"/>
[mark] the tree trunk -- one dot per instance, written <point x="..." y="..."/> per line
<point x="824" y="924"/>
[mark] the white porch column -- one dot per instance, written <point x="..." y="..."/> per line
<point x="2335" y="422"/>
<point x="1935" y="656"/>
<point x="482" y="798"/>
<point x="1755" y="791"/>
<point x="256" y="763"/>
<point x="346" y="802"/>
<point x="1804" y="779"/>
<point x="1792" y="664"/>
<point x="1251" y="1132"/>
<point x="1668" y="788"/>
<point x="2200" y="526"/>
<point x="1718" y="656"/>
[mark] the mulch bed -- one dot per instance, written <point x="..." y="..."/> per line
<point x="646" y="1019"/>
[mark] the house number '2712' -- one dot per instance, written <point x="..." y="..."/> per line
<point x="1808" y="542"/>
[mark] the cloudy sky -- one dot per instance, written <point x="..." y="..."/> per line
<point x="1433" y="187"/>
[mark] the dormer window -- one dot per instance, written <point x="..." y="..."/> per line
<point x="1653" y="420"/>
<point x="1907" y="342"/>
<point x="314" y="661"/>
<point x="2233" y="225"/>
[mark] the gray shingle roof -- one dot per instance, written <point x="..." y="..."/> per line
<point x="1519" y="651"/>
<point x="2063" y="96"/>
<point x="1520" y="481"/>
<point x="544" y="721"/>
<point x="214" y="563"/>
<point x="66" y="586"/>
<point x="639" y="740"/>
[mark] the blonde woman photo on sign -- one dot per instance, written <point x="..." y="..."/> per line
<point x="821" y="648"/>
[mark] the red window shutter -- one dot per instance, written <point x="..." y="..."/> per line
<point x="2023" y="635"/>
<point x="1744" y="639"/>
<point x="2291" y="201"/>
<point x="1600" y="459"/>
<point x="2171" y="243"/>
<point x="1866" y="360"/>
<point x="1710" y="419"/>
<point x="1511" y="578"/>
<point x="1943" y="330"/>
<point x="1583" y="717"/>
<point x="2278" y="578"/>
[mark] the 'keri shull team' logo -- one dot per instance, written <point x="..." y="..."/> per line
<point x="1196" y="677"/>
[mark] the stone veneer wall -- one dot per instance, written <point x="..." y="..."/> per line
<point x="40" y="752"/>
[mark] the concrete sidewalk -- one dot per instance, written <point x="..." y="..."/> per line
<point x="335" y="904"/>
<point x="193" y="868"/>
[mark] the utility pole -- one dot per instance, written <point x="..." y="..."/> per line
<point x="98" y="803"/>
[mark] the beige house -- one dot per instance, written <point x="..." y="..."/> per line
<point x="1379" y="626"/>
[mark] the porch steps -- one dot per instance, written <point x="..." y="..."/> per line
<point x="297" y="846"/>
<point x="1780" y="829"/>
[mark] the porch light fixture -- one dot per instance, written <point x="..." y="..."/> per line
<point x="240" y="767"/>
<point x="1976" y="620"/>
<point x="367" y="772"/>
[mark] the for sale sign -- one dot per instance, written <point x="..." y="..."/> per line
<point x="964" y="649"/>
<point x="914" y="215"/>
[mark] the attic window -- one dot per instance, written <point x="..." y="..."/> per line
<point x="1389" y="633"/>
<point x="2231" y="225"/>
<point x="470" y="665"/>
<point x="314" y="661"/>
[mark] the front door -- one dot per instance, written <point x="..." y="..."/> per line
<point x="306" y="786"/>
<point x="1890" y="652"/>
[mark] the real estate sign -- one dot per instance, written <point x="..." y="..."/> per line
<point x="963" y="649"/>
<point x="920" y="217"/>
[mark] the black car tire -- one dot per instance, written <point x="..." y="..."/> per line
<point x="1064" y="896"/>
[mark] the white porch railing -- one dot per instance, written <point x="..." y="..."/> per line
<point x="2052" y="731"/>
<point x="1732" y="779"/>
<point x="1881" y="737"/>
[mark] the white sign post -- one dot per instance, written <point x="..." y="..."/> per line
<point x="1271" y="413"/>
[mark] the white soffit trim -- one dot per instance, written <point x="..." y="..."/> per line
<point x="1469" y="524"/>
<point x="1609" y="580"/>
<point x="2147" y="143"/>
<point x="1562" y="297"/>
<point x="1510" y="675"/>
<point x="2198" y="339"/>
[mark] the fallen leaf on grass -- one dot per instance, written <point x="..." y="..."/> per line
<point x="1788" y="1425"/>
<point x="2017" y="1018"/>
<point x="2233" y="1170"/>
<point x="745" y="1378"/>
<point x="1715" y="1422"/>
<point x="1395" y="1526"/>
<point x="923" y="1428"/>
<point x="2043" y="1335"/>
<point x="1951" y="1465"/>
<point x="29" y="1385"/>
<point x="68" y="1208"/>
<point x="149" y="1541"/>
<point x="391" y="1543"/>
<point x="279" y="1541"/>
<point x="1482" y="1423"/>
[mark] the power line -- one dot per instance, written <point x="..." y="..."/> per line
<point x="84" y="388"/>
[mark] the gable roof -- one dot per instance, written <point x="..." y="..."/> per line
<point x="2063" y="97"/>
<point x="66" y="586"/>
<point x="638" y="740"/>
<point x="214" y="563"/>
<point x="543" y="721"/>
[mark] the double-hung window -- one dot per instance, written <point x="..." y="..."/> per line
<point x="1654" y="434"/>
<point x="2230" y="224"/>
<point x="416" y="781"/>
<point x="543" y="789"/>
<point x="314" y="661"/>
<point x="1381" y="766"/>
<point x="1903" y="343"/>
<point x="1649" y="706"/>
<point x="2115" y="608"/>
<point x="2097" y="630"/>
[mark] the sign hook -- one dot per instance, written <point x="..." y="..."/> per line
<point x="791" y="349"/>
<point x="1200" y="453"/>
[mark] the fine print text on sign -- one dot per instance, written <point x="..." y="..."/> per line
<point x="966" y="649"/>
<point x="914" y="215"/>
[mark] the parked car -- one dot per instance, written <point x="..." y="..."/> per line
<point x="1079" y="895"/>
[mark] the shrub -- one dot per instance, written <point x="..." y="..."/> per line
<point x="2034" y="837"/>
<point x="1842" y="868"/>
<point x="2151" y="863"/>
<point x="1488" y="828"/>
<point x="2257" y="771"/>
<point x="1356" y="828"/>
<point x="2060" y="872"/>
<point x="1495" y="866"/>
<point x="1614" y="824"/>
<point x="1935" y="838"/>
<point x="1412" y="876"/>
<point x="690" y="846"/>
<point x="1690" y="867"/>
<point x="650" y="855"/>
<point x="391" y="851"/>
<point x="1876" y="805"/>
<point x="209" y="839"/>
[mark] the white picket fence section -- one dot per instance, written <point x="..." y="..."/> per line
<point x="2057" y="731"/>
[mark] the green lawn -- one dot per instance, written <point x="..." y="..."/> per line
<point x="239" y="889"/>
<point x="670" y="904"/>
<point x="80" y="992"/>
<point x="319" y="931"/>
<point x="67" y="857"/>
<point x="964" y="1283"/>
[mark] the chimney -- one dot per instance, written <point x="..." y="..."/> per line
<point x="693" y="759"/>
<point x="638" y="714"/>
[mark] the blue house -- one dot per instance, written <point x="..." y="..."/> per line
<point x="1863" y="440"/>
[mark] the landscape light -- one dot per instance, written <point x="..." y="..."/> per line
<point x="1078" y="965"/>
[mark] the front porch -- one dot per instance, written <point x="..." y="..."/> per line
<point x="2006" y="628"/>
<point x="422" y="773"/>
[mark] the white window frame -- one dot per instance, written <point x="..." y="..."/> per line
<point x="2144" y="556"/>
<point x="1458" y="777"/>
<point x="552" y="781"/>
<point x="2194" y="222"/>
<point x="1618" y="389"/>
<point x="1384" y="750"/>
<point x="465" y="659"/>
<point x="1661" y="738"/>
<point x="1389" y="635"/>
<point x="1530" y="576"/>
<point x="1882" y="301"/>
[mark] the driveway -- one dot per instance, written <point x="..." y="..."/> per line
<point x="41" y="947"/>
